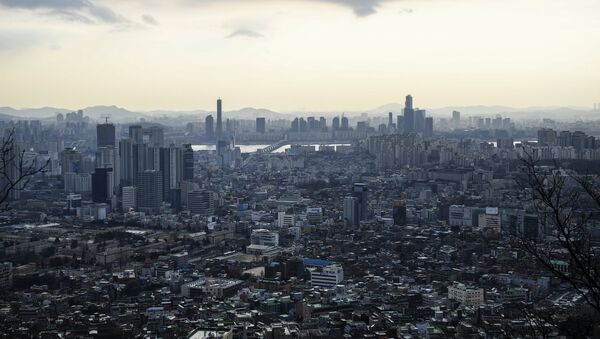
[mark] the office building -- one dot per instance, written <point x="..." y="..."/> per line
<point x="335" y="123"/>
<point x="136" y="134"/>
<point x="188" y="162"/>
<point x="420" y="121"/>
<point x="149" y="191"/>
<point x="105" y="135"/>
<point x="345" y="125"/>
<point x="71" y="160"/>
<point x="428" y="132"/>
<point x="455" y="118"/>
<point x="409" y="115"/>
<point x="360" y="192"/>
<point x="219" y="129"/>
<point x="264" y="237"/>
<point x="261" y="125"/>
<point x="326" y="276"/>
<point x="171" y="168"/>
<point x="351" y="211"/>
<point x="209" y="127"/>
<point x="400" y="123"/>
<point x="155" y="136"/>
<point x="285" y="220"/>
<point x="102" y="185"/>
<point x="201" y="202"/>
<point x="129" y="198"/>
<point x="399" y="212"/>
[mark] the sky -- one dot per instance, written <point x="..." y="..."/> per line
<point x="298" y="55"/>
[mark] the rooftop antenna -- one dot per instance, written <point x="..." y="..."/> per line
<point x="105" y="117"/>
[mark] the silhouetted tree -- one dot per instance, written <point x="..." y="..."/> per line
<point x="16" y="170"/>
<point x="567" y="206"/>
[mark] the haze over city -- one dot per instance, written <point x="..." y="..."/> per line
<point x="292" y="55"/>
<point x="299" y="169"/>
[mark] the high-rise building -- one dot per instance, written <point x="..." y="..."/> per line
<point x="428" y="132"/>
<point x="360" y="192"/>
<point x="126" y="161"/>
<point x="546" y="136"/>
<point x="455" y="118"/>
<point x="409" y="115"/>
<point x="149" y="191"/>
<point x="323" y="123"/>
<point x="209" y="127"/>
<point x="201" y="202"/>
<point x="171" y="168"/>
<point x="219" y="130"/>
<point x="128" y="198"/>
<point x="390" y="120"/>
<point x="420" y="120"/>
<point x="302" y="125"/>
<point x="345" y="124"/>
<point x="351" y="211"/>
<point x="102" y="185"/>
<point x="105" y="135"/>
<point x="399" y="212"/>
<point x="400" y="123"/>
<point x="70" y="160"/>
<point x="335" y="123"/>
<point x="136" y="134"/>
<point x="188" y="162"/>
<point x="261" y="125"/>
<point x="155" y="135"/>
<point x="295" y="125"/>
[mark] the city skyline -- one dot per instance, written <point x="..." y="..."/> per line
<point x="328" y="55"/>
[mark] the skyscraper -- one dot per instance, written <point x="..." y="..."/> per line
<point x="105" y="135"/>
<point x="149" y="191"/>
<point x="188" y="162"/>
<point x="261" y="125"/>
<point x="219" y="120"/>
<point x="155" y="136"/>
<point x="171" y="168"/>
<point x="345" y="125"/>
<point x="351" y="211"/>
<point x="428" y="132"/>
<point x="399" y="212"/>
<point x="335" y="124"/>
<point x="420" y="120"/>
<point x="409" y="115"/>
<point x="126" y="161"/>
<point x="360" y="192"/>
<point x="209" y="126"/>
<point x="102" y="185"/>
<point x="456" y="118"/>
<point x="136" y="134"/>
<point x="390" y="120"/>
<point x="400" y="123"/>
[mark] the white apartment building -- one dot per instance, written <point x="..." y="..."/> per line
<point x="466" y="295"/>
<point x="327" y="276"/>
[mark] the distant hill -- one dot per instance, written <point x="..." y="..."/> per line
<point x="123" y="115"/>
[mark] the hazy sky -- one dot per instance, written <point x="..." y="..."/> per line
<point x="298" y="55"/>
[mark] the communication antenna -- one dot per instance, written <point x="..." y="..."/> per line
<point x="105" y="117"/>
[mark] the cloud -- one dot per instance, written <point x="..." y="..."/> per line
<point x="18" y="40"/>
<point x="149" y="19"/>
<point x="84" y="11"/>
<point x="361" y="8"/>
<point x="244" y="33"/>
